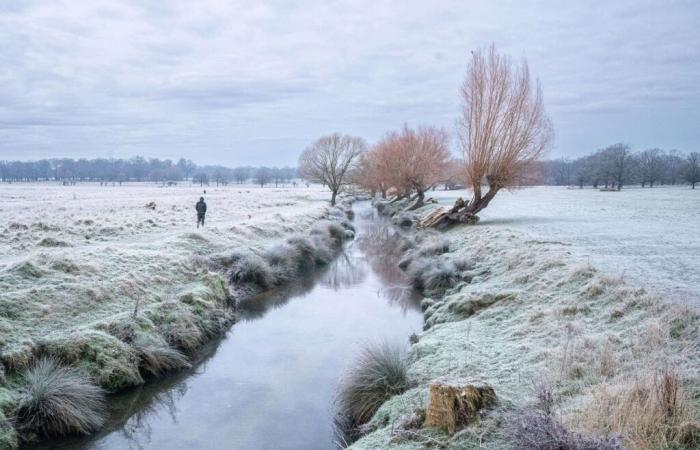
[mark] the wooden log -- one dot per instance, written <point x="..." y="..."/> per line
<point x="454" y="403"/>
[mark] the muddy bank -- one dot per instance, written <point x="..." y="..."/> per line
<point x="525" y="317"/>
<point x="152" y="338"/>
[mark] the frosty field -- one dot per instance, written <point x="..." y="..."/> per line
<point x="648" y="236"/>
<point x="566" y="291"/>
<point x="76" y="254"/>
<point x="82" y="265"/>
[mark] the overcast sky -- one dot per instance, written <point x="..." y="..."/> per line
<point x="253" y="82"/>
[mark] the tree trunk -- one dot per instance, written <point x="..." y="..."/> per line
<point x="419" y="201"/>
<point x="335" y="193"/>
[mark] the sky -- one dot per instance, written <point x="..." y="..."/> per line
<point x="254" y="82"/>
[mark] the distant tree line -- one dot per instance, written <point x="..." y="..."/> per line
<point x="68" y="170"/>
<point x="617" y="165"/>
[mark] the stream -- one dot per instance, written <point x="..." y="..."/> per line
<point x="270" y="382"/>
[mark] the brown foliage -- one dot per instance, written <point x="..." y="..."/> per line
<point x="409" y="161"/>
<point x="504" y="129"/>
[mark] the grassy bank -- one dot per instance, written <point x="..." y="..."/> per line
<point x="107" y="310"/>
<point x="584" y="359"/>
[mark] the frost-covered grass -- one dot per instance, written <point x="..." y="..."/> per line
<point x="648" y="236"/>
<point x="529" y="311"/>
<point x="378" y="373"/>
<point x="55" y="400"/>
<point x="123" y="292"/>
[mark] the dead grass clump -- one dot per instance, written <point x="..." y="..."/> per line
<point x="58" y="400"/>
<point x="253" y="270"/>
<point x="379" y="372"/>
<point x="651" y="412"/>
<point x="537" y="427"/>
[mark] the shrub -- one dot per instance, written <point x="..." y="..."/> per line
<point x="538" y="428"/>
<point x="58" y="400"/>
<point x="379" y="372"/>
<point x="251" y="269"/>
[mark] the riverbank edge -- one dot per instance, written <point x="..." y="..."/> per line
<point x="523" y="314"/>
<point x="204" y="315"/>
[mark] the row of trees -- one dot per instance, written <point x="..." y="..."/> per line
<point x="616" y="166"/>
<point x="503" y="130"/>
<point x="139" y="169"/>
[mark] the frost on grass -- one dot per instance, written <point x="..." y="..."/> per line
<point x="56" y="400"/>
<point x="377" y="374"/>
<point x="123" y="292"/>
<point x="525" y="311"/>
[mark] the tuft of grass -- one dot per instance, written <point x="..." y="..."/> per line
<point x="305" y="251"/>
<point x="433" y="276"/>
<point x="157" y="358"/>
<point x="378" y="373"/>
<point x="253" y="270"/>
<point x="58" y="400"/>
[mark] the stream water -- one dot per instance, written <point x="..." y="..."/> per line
<point x="270" y="382"/>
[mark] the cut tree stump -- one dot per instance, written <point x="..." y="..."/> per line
<point x="455" y="403"/>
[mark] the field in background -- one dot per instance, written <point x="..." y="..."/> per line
<point x="650" y="237"/>
<point x="72" y="257"/>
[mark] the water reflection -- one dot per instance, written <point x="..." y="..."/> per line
<point x="270" y="383"/>
<point x="381" y="243"/>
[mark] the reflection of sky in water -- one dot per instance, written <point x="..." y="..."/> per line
<point x="270" y="383"/>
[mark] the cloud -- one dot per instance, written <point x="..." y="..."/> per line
<point x="227" y="80"/>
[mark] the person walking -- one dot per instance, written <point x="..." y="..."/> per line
<point x="201" y="208"/>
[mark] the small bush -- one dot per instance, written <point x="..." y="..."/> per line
<point x="58" y="400"/>
<point x="538" y="428"/>
<point x="251" y="269"/>
<point x="379" y="372"/>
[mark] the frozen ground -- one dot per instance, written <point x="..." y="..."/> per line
<point x="650" y="237"/>
<point x="73" y="257"/>
<point x="532" y="309"/>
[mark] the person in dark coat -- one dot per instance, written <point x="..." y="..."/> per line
<point x="201" y="208"/>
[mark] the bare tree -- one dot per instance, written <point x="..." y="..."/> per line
<point x="263" y="175"/>
<point x="330" y="159"/>
<point x="651" y="165"/>
<point x="619" y="162"/>
<point x="503" y="129"/>
<point x="692" y="169"/>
